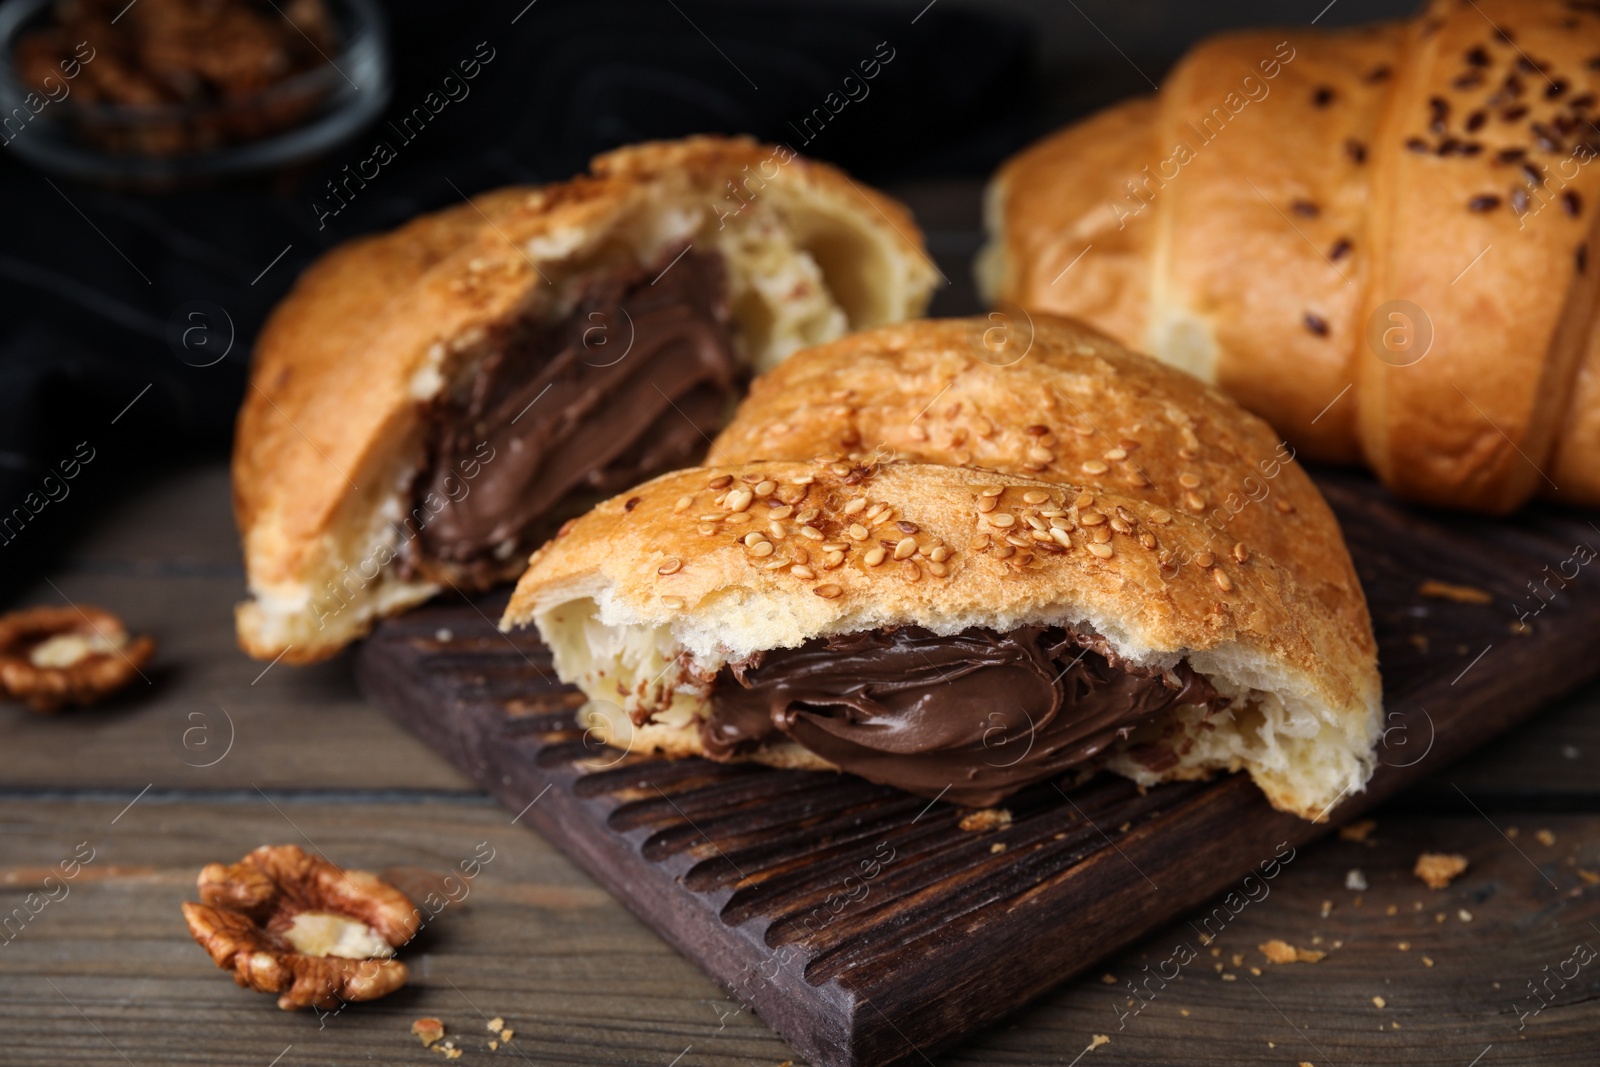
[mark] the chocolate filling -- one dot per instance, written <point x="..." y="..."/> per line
<point x="629" y="386"/>
<point x="973" y="717"/>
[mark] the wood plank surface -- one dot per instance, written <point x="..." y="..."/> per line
<point x="749" y="870"/>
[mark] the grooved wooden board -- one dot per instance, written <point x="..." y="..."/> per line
<point x="861" y="922"/>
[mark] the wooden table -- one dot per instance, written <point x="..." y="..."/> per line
<point x="215" y="755"/>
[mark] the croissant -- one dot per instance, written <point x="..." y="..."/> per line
<point x="427" y="405"/>
<point x="1010" y="563"/>
<point x="1378" y="239"/>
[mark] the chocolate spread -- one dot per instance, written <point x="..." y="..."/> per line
<point x="629" y="386"/>
<point x="974" y="716"/>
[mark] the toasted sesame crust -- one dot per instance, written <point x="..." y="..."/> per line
<point x="1375" y="165"/>
<point x="331" y="421"/>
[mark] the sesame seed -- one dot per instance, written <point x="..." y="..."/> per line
<point x="1476" y="120"/>
<point x="1034" y="521"/>
<point x="1100" y="535"/>
<point x="1478" y="56"/>
<point x="738" y="518"/>
<point x="684" y="503"/>
<point x="739" y="499"/>
<point x="939" y="554"/>
<point x="875" y="556"/>
<point x="828" y="591"/>
<point x="671" y="566"/>
<point x="1510" y="155"/>
<point x="776" y="530"/>
<point x="753" y="538"/>
<point x="1094" y="466"/>
<point x="1519" y="200"/>
<point x="841" y="469"/>
<point x="1147" y="539"/>
<point x="1061" y="537"/>
<point x="1117" y="454"/>
<point x="912" y="571"/>
<point x="1018" y="541"/>
<point x="855" y="506"/>
<point x="1040" y="455"/>
<point x="884" y="516"/>
<point x="706" y="529"/>
<point x="938" y="570"/>
<point x="1580" y="258"/>
<point x="799" y="555"/>
<point x="832" y="560"/>
<point x="1283" y="506"/>
<point x="782" y="511"/>
<point x="807" y="515"/>
<point x="716" y="517"/>
<point x="1091" y="518"/>
<point x="1004" y="551"/>
<point x="1160" y="517"/>
<point x="1194" y="501"/>
<point x="1037" y="430"/>
<point x="1083" y="500"/>
<point x="1377" y="74"/>
<point x="1483" y="202"/>
<point x="906" y="548"/>
<point x="1416" y="144"/>
<point x="1121" y="527"/>
<point x="917" y="433"/>
<point x="673" y="602"/>
<point x="800" y="570"/>
<point x="1005" y="522"/>
<point x="907" y="527"/>
<point x="811" y="532"/>
<point x="721" y="481"/>
<point x="1241" y="553"/>
<point x="1223" y="581"/>
<point x="766" y="487"/>
<point x="1035" y="496"/>
<point x="1103" y="551"/>
<point x="1060" y="522"/>
<point x="836" y="546"/>
<point x="1206" y="559"/>
<point x="857" y="532"/>
<point x="1040" y="535"/>
<point x="1189" y="481"/>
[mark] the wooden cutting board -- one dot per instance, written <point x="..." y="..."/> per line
<point x="862" y="923"/>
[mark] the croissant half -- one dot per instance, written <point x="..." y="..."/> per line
<point x="1003" y="569"/>
<point x="426" y="405"/>
<point x="1378" y="239"/>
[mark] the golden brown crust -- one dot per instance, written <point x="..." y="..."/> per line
<point x="1065" y="404"/>
<point x="331" y="420"/>
<point x="1343" y="151"/>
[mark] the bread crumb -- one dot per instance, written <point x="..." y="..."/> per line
<point x="1306" y="1063"/>
<point x="1512" y="832"/>
<point x="1461" y="594"/>
<point x="1354" y="879"/>
<point x="1427" y="961"/>
<point x="1230" y="978"/>
<point x="1183" y="1012"/>
<point x="1109" y="979"/>
<point x="1404" y="946"/>
<point x="1327" y="908"/>
<point x="1378" y="1002"/>
<point x="1278" y="951"/>
<point x="1394" y="1024"/>
<point x="496" y="1024"/>
<point x="1545" y="838"/>
<point x="1256" y="971"/>
<point x="1216" y="952"/>
<point x="1464" y="915"/>
<point x="986" y="819"/>
<point x="428" y="1031"/>
<point x="1392" y="909"/>
<point x="1439" y="916"/>
<point x="997" y="847"/>
<point x="493" y="1044"/>
<point x="507" y="1034"/>
<point x="1439" y="869"/>
<point x="1238" y="959"/>
<point x="1589" y="876"/>
<point x="452" y="1054"/>
<point x="1098" y="1040"/>
<point x="1357" y="831"/>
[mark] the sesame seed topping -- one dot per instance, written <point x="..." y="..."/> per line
<point x="1083" y="500"/>
<point x="1060" y="522"/>
<point x="766" y="487"/>
<point x="917" y="433"/>
<point x="828" y="591"/>
<point x="1322" y="96"/>
<point x="738" y="518"/>
<point x="1103" y="551"/>
<point x="1240" y="553"/>
<point x="811" y="532"/>
<point x="907" y="527"/>
<point x="1189" y="481"/>
<point x="1148" y="539"/>
<point x="1091" y="518"/>
<point x="800" y="570"/>
<point x="1223" y="581"/>
<point x="832" y="560"/>
<point x="684" y="503"/>
<point x="987" y="504"/>
<point x="782" y="511"/>
<point x="739" y="499"/>
<point x="1283" y="506"/>
<point x="776" y="530"/>
<point x="1018" y="541"/>
<point x="1061" y="537"/>
<point x="761" y="548"/>
<point x="1100" y="535"/>
<point x="1206" y="559"/>
<point x="671" y="566"/>
<point x="1035" y="496"/>
<point x="716" y="517"/>
<point x="706" y="529"/>
<point x="1340" y="249"/>
<point x="798" y="554"/>
<point x="1306" y="209"/>
<point x="1094" y="466"/>
<point x="808" y="514"/>
<point x="1121" y="527"/>
<point x="1034" y="521"/>
<point x="1005" y="522"/>
<point x="906" y="548"/>
<point x="1117" y="454"/>
<point x="1194" y="501"/>
<point x="721" y="481"/>
<point x="1160" y="517"/>
<point x="913" y="573"/>
<point x="1037" y="430"/>
<point x="673" y="602"/>
<point x="875" y="556"/>
<point x="939" y="554"/>
<point x="1040" y="455"/>
<point x="855" y="506"/>
<point x="938" y="570"/>
<point x="753" y="538"/>
<point x="857" y="532"/>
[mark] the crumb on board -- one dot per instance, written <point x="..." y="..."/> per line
<point x="1279" y="951"/>
<point x="1354" y="879"/>
<point x="997" y="847"/>
<point x="1404" y="946"/>
<point x="428" y="1031"/>
<point x="1098" y="1040"/>
<point x="985" y="819"/>
<point x="1439" y="869"/>
<point x="1183" y="1012"/>
<point x="1327" y="908"/>
<point x="1358" y="831"/>
<point x="1464" y="915"/>
<point x="1589" y="876"/>
<point x="1427" y="961"/>
<point x="1461" y="594"/>
<point x="1544" y="837"/>
<point x="1379" y="1002"/>
<point x="507" y="1034"/>
<point x="1109" y="979"/>
<point x="495" y="1025"/>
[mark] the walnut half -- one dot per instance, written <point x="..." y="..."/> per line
<point x="294" y="924"/>
<point x="50" y="657"/>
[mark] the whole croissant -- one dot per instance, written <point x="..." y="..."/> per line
<point x="1378" y="239"/>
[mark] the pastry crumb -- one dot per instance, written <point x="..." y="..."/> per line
<point x="986" y="819"/>
<point x="1545" y="838"/>
<point x="1427" y="961"/>
<point x="1461" y="594"/>
<point x="495" y="1025"/>
<point x="1109" y="979"/>
<point x="428" y="1031"/>
<point x="1358" y="831"/>
<point x="1464" y="915"/>
<point x="1379" y="1002"/>
<point x="997" y="847"/>
<point x="1354" y="879"/>
<point x="507" y="1034"/>
<point x="1183" y="1012"/>
<point x="1279" y="951"/>
<point x="1098" y="1040"/>
<point x="1439" y="869"/>
<point x="1327" y="908"/>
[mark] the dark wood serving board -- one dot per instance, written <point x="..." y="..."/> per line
<point x="861" y="922"/>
